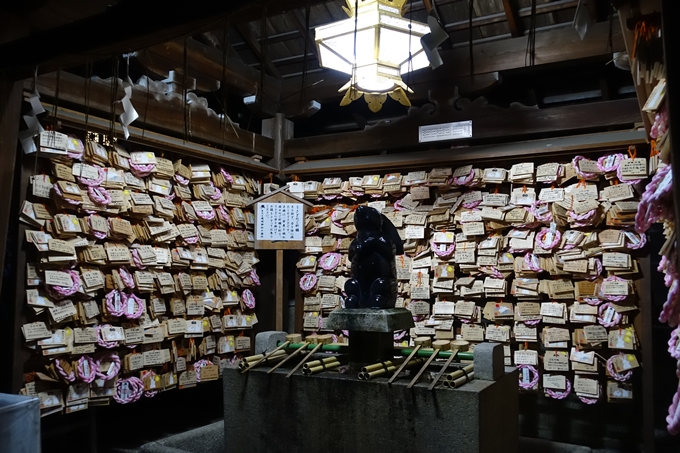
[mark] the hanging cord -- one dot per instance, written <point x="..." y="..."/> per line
<point x="114" y="95"/>
<point x="470" y="29"/>
<point x="356" y="28"/>
<point x="185" y="91"/>
<point x="225" y="57"/>
<point x="531" y="41"/>
<point x="264" y="47"/>
<point x="410" y="55"/>
<point x="610" y="37"/>
<point x="55" y="108"/>
<point x="88" y="84"/>
<point x="304" y="58"/>
<point x="148" y="91"/>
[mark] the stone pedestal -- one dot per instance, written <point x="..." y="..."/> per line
<point x="332" y="412"/>
<point x="370" y="332"/>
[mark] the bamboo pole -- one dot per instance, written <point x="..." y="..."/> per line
<point x="278" y="348"/>
<point x="443" y="370"/>
<point x="382" y="365"/>
<point x="302" y="362"/>
<point x="296" y="352"/>
<point x="319" y="368"/>
<point x="377" y="373"/>
<point x="461" y="381"/>
<point x="315" y="363"/>
<point x="420" y="342"/>
<point x="249" y="363"/>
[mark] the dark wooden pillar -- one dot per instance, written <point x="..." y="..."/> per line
<point x="10" y="114"/>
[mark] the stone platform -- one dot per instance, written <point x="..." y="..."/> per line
<point x="332" y="412"/>
<point x="371" y="332"/>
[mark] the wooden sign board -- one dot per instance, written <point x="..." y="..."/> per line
<point x="280" y="221"/>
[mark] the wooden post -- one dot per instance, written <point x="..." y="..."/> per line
<point x="279" y="290"/>
<point x="278" y="129"/>
<point x="10" y="114"/>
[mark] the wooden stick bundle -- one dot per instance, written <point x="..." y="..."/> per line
<point x="246" y="364"/>
<point x="460" y="381"/>
<point x="266" y="356"/>
<point x="290" y="356"/>
<point x="460" y="377"/>
<point x="420" y="342"/>
<point x="319" y="368"/>
<point x="443" y="370"/>
<point x="316" y="363"/>
<point x="367" y="376"/>
<point x="439" y="345"/>
<point x="382" y="365"/>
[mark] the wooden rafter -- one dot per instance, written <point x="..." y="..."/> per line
<point x="155" y="110"/>
<point x="485" y="154"/>
<point x="515" y="25"/>
<point x="255" y="46"/>
<point x="490" y="19"/>
<point x="488" y="123"/>
<point x="126" y="27"/>
<point x="558" y="45"/>
<point x="208" y="61"/>
<point x="137" y="135"/>
<point x="299" y="21"/>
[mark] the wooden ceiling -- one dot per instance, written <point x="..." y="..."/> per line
<point x="257" y="47"/>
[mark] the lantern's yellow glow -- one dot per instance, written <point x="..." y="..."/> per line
<point x="383" y="40"/>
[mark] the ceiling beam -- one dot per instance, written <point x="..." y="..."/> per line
<point x="478" y="155"/>
<point x="543" y="8"/>
<point x="515" y="25"/>
<point x="162" y="113"/>
<point x="208" y="62"/>
<point x="300" y="24"/>
<point x="148" y="138"/>
<point x="124" y="27"/>
<point x="553" y="46"/>
<point x="488" y="122"/>
<point x="254" y="45"/>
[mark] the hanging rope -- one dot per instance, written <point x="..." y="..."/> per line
<point x="114" y="95"/>
<point x="356" y="28"/>
<point x="185" y="91"/>
<point x="88" y="83"/>
<point x="531" y="42"/>
<point x="304" y="58"/>
<point x="264" y="45"/>
<point x="148" y="91"/>
<point x="225" y="53"/>
<point x="472" y="57"/>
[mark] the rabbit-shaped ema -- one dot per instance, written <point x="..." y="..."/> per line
<point x="374" y="276"/>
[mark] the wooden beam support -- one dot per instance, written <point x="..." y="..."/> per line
<point x="160" y="141"/>
<point x="554" y="46"/>
<point x="125" y="27"/>
<point x="488" y="122"/>
<point x="515" y="25"/>
<point x="278" y="129"/>
<point x="163" y="113"/>
<point x="279" y="290"/>
<point x="11" y="312"/>
<point x="300" y="24"/>
<point x="208" y="62"/>
<point x="10" y="116"/>
<point x="254" y="45"/>
<point x="475" y="154"/>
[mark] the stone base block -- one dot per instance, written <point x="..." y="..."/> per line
<point x="334" y="412"/>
